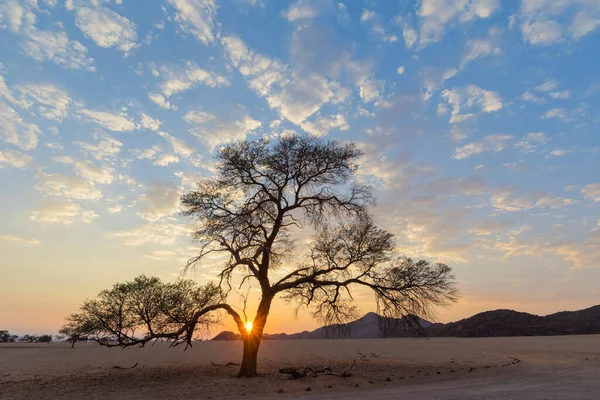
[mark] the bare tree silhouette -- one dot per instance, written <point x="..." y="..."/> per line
<point x="264" y="190"/>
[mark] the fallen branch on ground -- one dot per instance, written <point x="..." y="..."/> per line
<point x="119" y="367"/>
<point x="299" y="373"/>
<point x="227" y="364"/>
<point x="365" y="357"/>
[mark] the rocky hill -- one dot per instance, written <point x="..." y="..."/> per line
<point x="513" y="323"/>
<point x="370" y="325"/>
<point x="485" y="324"/>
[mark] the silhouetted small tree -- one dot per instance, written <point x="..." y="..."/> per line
<point x="262" y="192"/>
<point x="29" y="339"/>
<point x="6" y="337"/>
<point x="44" y="339"/>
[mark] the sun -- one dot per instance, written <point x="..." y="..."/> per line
<point x="248" y="326"/>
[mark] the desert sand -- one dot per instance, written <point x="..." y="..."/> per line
<point x="560" y="367"/>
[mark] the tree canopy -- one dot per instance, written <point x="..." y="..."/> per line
<point x="263" y="193"/>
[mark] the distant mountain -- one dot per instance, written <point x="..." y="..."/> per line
<point x="370" y="325"/>
<point x="485" y="324"/>
<point x="513" y="323"/>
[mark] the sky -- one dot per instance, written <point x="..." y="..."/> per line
<point x="478" y="119"/>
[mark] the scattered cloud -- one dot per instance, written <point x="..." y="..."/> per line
<point x="295" y="97"/>
<point x="564" y="114"/>
<point x="161" y="233"/>
<point x="161" y="101"/>
<point x="67" y="187"/>
<point x="118" y="122"/>
<point x="468" y="97"/>
<point x="592" y="192"/>
<point x="495" y="143"/>
<point x="19" y="239"/>
<point x="546" y="22"/>
<point x="15" y="131"/>
<point x="178" y="80"/>
<point x="147" y="122"/>
<point x="322" y="125"/>
<point x="106" y="147"/>
<point x="62" y="212"/>
<point x="161" y="200"/>
<point x="214" y="132"/>
<point x="103" y="25"/>
<point x="47" y="100"/>
<point x="196" y="17"/>
<point x="436" y="16"/>
<point x="15" y="159"/>
<point x="481" y="47"/>
<point x="303" y="10"/>
<point x="531" y="141"/>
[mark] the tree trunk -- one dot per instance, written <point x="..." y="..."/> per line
<point x="249" y="360"/>
<point x="253" y="338"/>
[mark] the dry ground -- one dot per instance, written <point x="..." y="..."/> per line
<point x="561" y="367"/>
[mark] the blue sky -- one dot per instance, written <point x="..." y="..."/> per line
<point x="478" y="120"/>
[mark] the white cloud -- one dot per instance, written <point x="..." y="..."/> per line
<point x="18" y="17"/>
<point x="409" y="34"/>
<point x="147" y="122"/>
<point x="177" y="80"/>
<point x="584" y="23"/>
<point x="89" y="171"/>
<point x="559" y="152"/>
<point x="49" y="101"/>
<point x="549" y="201"/>
<point x="19" y="239"/>
<point x="62" y="212"/>
<point x="215" y="133"/>
<point x="548" y="86"/>
<point x="165" y="159"/>
<point x="367" y="15"/>
<point x="161" y="101"/>
<point x="531" y="141"/>
<point x="321" y="126"/>
<point x="196" y="17"/>
<point x="563" y="95"/>
<point x="401" y="70"/>
<point x="107" y="147"/>
<point x="563" y="114"/>
<point x="295" y="96"/>
<point x="541" y="32"/>
<point x="479" y="48"/>
<point x="15" y="159"/>
<point x="104" y="26"/>
<point x="305" y="9"/>
<point x="437" y="15"/>
<point x="161" y="200"/>
<point x="16" y="131"/>
<point x="495" y="143"/>
<point x="156" y="232"/>
<point x="370" y="90"/>
<point x="468" y="97"/>
<point x="148" y="154"/>
<point x="179" y="146"/>
<point x="112" y="121"/>
<point x="529" y="96"/>
<point x="198" y="117"/>
<point x="67" y="187"/>
<point x="433" y="78"/>
<point x="504" y="198"/>
<point x="591" y="192"/>
<point x="544" y="22"/>
<point x="56" y="47"/>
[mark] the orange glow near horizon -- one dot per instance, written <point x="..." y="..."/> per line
<point x="249" y="326"/>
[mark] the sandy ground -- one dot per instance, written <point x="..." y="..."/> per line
<point x="562" y="367"/>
